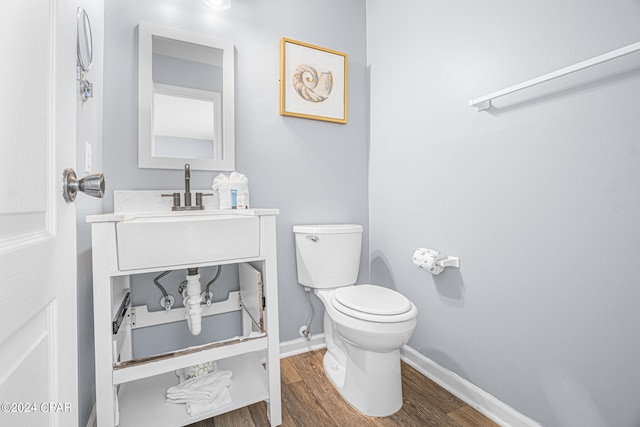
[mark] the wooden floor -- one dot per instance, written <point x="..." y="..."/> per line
<point x="310" y="400"/>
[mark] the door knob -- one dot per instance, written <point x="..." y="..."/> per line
<point x="92" y="185"/>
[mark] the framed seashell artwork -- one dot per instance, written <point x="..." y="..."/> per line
<point x="313" y="82"/>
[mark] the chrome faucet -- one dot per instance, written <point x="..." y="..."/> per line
<point x="187" y="194"/>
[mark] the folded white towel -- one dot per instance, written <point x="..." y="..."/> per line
<point x="202" y="396"/>
<point x="201" y="390"/>
<point x="195" y="409"/>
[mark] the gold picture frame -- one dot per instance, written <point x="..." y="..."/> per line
<point x="313" y="82"/>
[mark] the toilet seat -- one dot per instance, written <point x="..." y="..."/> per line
<point x="373" y="303"/>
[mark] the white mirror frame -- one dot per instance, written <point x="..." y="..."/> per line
<point x="146" y="32"/>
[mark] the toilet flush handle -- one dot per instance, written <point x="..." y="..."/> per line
<point x="313" y="238"/>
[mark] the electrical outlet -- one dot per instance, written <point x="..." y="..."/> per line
<point x="88" y="157"/>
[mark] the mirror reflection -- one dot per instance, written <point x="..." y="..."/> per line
<point x="185" y="100"/>
<point x="187" y="82"/>
<point x="186" y="123"/>
<point x="85" y="40"/>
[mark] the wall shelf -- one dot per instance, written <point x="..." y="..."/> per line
<point x="484" y="102"/>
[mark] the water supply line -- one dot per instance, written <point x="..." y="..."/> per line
<point x="208" y="295"/>
<point x="167" y="300"/>
<point x="192" y="300"/>
<point x="307" y="331"/>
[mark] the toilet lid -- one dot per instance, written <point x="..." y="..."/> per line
<point x="372" y="300"/>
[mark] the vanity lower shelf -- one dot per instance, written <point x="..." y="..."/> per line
<point x="142" y="402"/>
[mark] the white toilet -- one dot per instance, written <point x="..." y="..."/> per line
<point x="364" y="325"/>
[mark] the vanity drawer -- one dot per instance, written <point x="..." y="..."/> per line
<point x="186" y="240"/>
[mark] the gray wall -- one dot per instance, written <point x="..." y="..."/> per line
<point x="89" y="129"/>
<point x="539" y="197"/>
<point x="314" y="172"/>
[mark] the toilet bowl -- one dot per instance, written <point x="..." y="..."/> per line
<point x="364" y="325"/>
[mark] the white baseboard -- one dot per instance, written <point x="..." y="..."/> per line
<point x="472" y="395"/>
<point x="93" y="422"/>
<point x="301" y="345"/>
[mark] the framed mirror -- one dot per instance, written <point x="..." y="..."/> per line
<point x="185" y="100"/>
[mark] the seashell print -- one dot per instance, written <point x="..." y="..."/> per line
<point x="311" y="85"/>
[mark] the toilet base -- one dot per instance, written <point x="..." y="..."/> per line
<point x="369" y="381"/>
<point x="334" y="370"/>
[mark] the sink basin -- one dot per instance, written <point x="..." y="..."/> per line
<point x="159" y="240"/>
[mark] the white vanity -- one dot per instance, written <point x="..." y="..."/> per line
<point x="131" y="392"/>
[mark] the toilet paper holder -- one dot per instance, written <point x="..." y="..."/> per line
<point x="433" y="261"/>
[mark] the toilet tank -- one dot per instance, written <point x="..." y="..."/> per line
<point x="328" y="256"/>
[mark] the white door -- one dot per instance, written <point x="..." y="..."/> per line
<point x="38" y="361"/>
